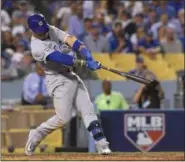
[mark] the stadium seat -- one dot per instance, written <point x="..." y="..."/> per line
<point x="160" y="68"/>
<point x="16" y="119"/>
<point x="175" y="61"/>
<point x="106" y="61"/>
<point x="3" y="140"/>
<point x="4" y="122"/>
<point x="18" y="137"/>
<point x="54" y="139"/>
<point x="124" y="62"/>
<point x="37" y="116"/>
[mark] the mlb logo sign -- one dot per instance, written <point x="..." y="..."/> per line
<point x="144" y="131"/>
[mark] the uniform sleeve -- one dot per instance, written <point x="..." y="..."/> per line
<point x="62" y="35"/>
<point x="40" y="51"/>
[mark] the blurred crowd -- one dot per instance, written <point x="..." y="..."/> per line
<point x="111" y="26"/>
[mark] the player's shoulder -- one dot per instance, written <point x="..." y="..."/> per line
<point x="36" y="44"/>
<point x="35" y="40"/>
<point x="54" y="28"/>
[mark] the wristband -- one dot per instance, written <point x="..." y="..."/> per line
<point x="76" y="45"/>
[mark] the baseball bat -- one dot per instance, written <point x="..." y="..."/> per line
<point x="129" y="76"/>
<point x="150" y="83"/>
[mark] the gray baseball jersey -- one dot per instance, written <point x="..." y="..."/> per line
<point x="42" y="48"/>
<point x="66" y="88"/>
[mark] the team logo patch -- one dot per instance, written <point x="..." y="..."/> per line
<point x="40" y="23"/>
<point x="144" y="131"/>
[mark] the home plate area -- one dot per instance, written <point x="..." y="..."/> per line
<point x="95" y="157"/>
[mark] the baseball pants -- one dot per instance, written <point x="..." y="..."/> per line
<point x="70" y="94"/>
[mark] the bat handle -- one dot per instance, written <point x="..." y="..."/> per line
<point x="103" y="67"/>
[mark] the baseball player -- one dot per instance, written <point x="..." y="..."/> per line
<point x="52" y="47"/>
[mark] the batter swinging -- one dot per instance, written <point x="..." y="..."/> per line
<point x="51" y="46"/>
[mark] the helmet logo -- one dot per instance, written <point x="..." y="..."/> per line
<point x="40" y="23"/>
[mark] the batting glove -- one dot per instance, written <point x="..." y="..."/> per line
<point x="93" y="65"/>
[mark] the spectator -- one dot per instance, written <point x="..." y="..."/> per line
<point x="128" y="25"/>
<point x="141" y="68"/>
<point x="22" y="39"/>
<point x="117" y="41"/>
<point x="179" y="23"/>
<point x="20" y="15"/>
<point x="100" y="20"/>
<point x="23" y="10"/>
<point x="148" y="98"/>
<point x="18" y="55"/>
<point x="88" y="25"/>
<point x="87" y="28"/>
<point x="151" y="19"/>
<point x="88" y="8"/>
<point x="34" y="88"/>
<point x="165" y="8"/>
<point x="146" y="9"/>
<point x="76" y="24"/>
<point x="77" y="18"/>
<point x="171" y="44"/>
<point x="63" y="15"/>
<point x="8" y="5"/>
<point x="96" y="42"/>
<point x="162" y="33"/>
<point x="5" y="18"/>
<point x="155" y="27"/>
<point x="136" y="37"/>
<point x="176" y="4"/>
<point x="153" y="4"/>
<point x="7" y="41"/>
<point x="182" y="39"/>
<point x="110" y="100"/>
<point x="19" y="25"/>
<point x="27" y="64"/>
<point x="139" y="20"/>
<point x="148" y="45"/>
<point x="8" y="72"/>
<point x="101" y="7"/>
<point x="134" y="7"/>
<point x="120" y="9"/>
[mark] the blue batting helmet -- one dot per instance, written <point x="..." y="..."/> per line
<point x="38" y="24"/>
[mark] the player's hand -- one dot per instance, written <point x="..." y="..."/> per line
<point x="39" y="97"/>
<point x="93" y="65"/>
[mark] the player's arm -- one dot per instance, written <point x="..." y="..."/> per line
<point x="69" y="60"/>
<point x="75" y="44"/>
<point x="78" y="46"/>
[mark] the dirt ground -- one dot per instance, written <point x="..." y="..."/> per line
<point x="94" y="157"/>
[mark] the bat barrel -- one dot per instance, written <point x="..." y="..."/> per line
<point x="137" y="78"/>
<point x="128" y="76"/>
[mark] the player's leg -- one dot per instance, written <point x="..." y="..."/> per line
<point x="63" y="98"/>
<point x="85" y="106"/>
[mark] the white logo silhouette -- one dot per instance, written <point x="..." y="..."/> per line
<point x="40" y="23"/>
<point x="143" y="139"/>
